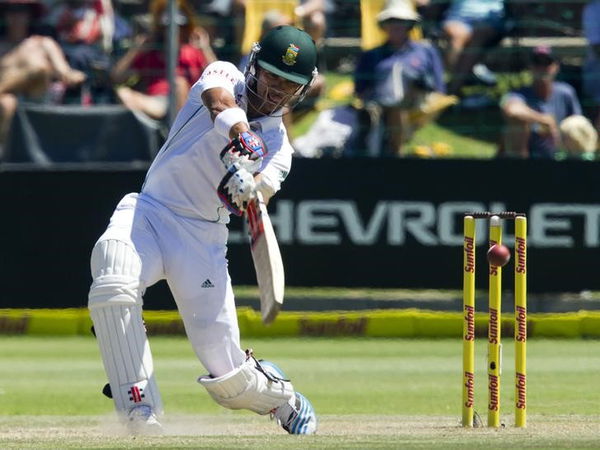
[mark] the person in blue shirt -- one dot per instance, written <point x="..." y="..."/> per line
<point x="397" y="76"/>
<point x="533" y="113"/>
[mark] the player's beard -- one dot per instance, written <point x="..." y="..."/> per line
<point x="267" y="101"/>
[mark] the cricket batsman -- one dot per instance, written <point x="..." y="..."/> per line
<point x="226" y="144"/>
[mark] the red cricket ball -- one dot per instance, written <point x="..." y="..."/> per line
<point x="498" y="255"/>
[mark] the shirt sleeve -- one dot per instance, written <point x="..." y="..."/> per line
<point x="510" y="96"/>
<point x="218" y="74"/>
<point x="438" y="70"/>
<point x="276" y="169"/>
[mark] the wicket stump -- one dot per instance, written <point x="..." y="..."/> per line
<point x="494" y="369"/>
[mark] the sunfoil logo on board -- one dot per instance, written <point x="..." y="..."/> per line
<point x="14" y="325"/>
<point x="340" y="327"/>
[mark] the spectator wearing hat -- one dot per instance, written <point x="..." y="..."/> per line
<point x="141" y="74"/>
<point x="397" y="77"/>
<point x="29" y="63"/>
<point x="533" y="113"/>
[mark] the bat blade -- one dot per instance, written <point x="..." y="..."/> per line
<point x="267" y="260"/>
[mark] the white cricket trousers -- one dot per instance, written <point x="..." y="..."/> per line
<point x="191" y="255"/>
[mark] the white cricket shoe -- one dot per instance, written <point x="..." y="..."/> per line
<point x="141" y="420"/>
<point x="297" y="416"/>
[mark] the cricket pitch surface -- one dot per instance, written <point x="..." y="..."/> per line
<point x="237" y="430"/>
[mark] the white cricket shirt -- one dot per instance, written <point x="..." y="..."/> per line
<point x="185" y="174"/>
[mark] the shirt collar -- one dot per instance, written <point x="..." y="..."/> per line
<point x="408" y="45"/>
<point x="265" y="123"/>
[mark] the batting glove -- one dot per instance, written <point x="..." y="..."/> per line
<point x="246" y="151"/>
<point x="236" y="189"/>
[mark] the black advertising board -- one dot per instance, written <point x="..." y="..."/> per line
<point x="345" y="222"/>
<point x="398" y="223"/>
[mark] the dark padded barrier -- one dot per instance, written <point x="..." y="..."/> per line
<point x="70" y="133"/>
<point x="352" y="222"/>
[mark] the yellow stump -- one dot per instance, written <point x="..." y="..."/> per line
<point x="469" y="322"/>
<point x="494" y="329"/>
<point x="520" y="262"/>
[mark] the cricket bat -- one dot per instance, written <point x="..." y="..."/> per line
<point x="267" y="259"/>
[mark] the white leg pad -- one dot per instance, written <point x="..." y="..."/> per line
<point x="248" y="388"/>
<point x="115" y="306"/>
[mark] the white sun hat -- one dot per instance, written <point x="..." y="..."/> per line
<point x="398" y="9"/>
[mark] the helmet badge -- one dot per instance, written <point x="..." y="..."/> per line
<point x="289" y="59"/>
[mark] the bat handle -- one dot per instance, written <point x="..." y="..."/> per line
<point x="259" y="197"/>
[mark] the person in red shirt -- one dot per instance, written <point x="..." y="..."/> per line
<point x="145" y="63"/>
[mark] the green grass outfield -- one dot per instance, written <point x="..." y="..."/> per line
<point x="369" y="393"/>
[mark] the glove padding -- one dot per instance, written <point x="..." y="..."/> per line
<point x="246" y="150"/>
<point x="236" y="189"/>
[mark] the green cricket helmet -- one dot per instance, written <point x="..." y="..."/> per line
<point x="287" y="52"/>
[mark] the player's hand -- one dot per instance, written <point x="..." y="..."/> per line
<point x="246" y="151"/>
<point x="236" y="189"/>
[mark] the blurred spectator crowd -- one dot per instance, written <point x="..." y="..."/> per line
<point x="418" y="59"/>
